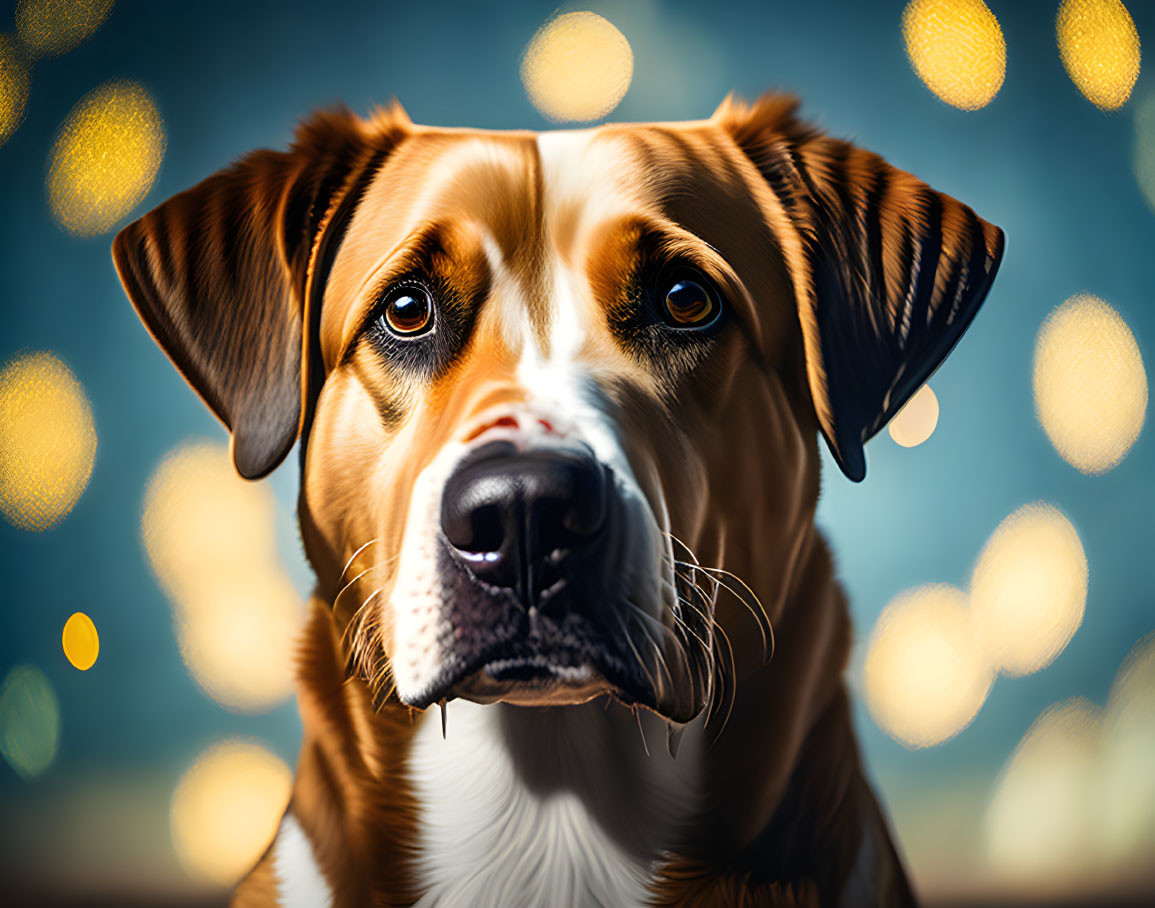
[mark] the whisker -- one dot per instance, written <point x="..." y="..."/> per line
<point x="353" y="557"/>
<point x="761" y="618"/>
<point x="634" y="649"/>
<point x="759" y="614"/>
<point x="635" y="610"/>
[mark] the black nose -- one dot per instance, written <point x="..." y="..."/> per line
<point x="522" y="520"/>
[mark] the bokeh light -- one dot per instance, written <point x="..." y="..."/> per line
<point x="1126" y="790"/>
<point x="105" y="158"/>
<point x="578" y="67"/>
<point x="1029" y="589"/>
<point x="50" y="27"/>
<point x="1099" y="47"/>
<point x="200" y="517"/>
<point x="13" y="87"/>
<point x="957" y="48"/>
<point x="916" y="421"/>
<point x="226" y="810"/>
<point x="1090" y="384"/>
<point x="80" y="641"/>
<point x="237" y="637"/>
<point x="1143" y="148"/>
<point x="924" y="677"/>
<point x="210" y="539"/>
<point x="1075" y="806"/>
<point x="47" y="441"/>
<point x="1037" y="831"/>
<point x="29" y="721"/>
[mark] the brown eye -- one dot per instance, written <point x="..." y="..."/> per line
<point x="691" y="304"/>
<point x="409" y="311"/>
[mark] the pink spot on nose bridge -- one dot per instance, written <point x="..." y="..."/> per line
<point x="504" y="422"/>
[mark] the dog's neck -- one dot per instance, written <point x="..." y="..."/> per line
<point x="568" y="796"/>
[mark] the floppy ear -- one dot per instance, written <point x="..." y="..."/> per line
<point x="224" y="274"/>
<point x="891" y="272"/>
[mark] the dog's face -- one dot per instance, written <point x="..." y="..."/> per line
<point x="540" y="375"/>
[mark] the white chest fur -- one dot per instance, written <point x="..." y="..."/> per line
<point x="544" y="807"/>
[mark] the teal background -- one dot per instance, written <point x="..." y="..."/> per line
<point x="1040" y="161"/>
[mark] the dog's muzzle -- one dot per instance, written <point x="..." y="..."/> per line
<point x="533" y="562"/>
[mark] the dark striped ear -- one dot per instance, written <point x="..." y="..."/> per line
<point x="222" y="274"/>
<point x="893" y="271"/>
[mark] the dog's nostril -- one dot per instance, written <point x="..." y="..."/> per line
<point x="486" y="531"/>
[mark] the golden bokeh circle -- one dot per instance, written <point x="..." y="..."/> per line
<point x="1029" y="589"/>
<point x="209" y="536"/>
<point x="916" y="421"/>
<point x="51" y="27"/>
<point x="105" y="158"/>
<point x="238" y="638"/>
<point x="201" y="519"/>
<point x="29" y="721"/>
<point x="957" y="49"/>
<point x="925" y="678"/>
<point x="226" y="809"/>
<point x="1037" y="825"/>
<point x="578" y="67"/>
<point x="1126" y="802"/>
<point x="80" y="641"/>
<point x="1090" y="385"/>
<point x="14" y="78"/>
<point x="1099" y="46"/>
<point x="47" y="441"/>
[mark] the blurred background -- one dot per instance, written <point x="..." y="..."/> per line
<point x="998" y="557"/>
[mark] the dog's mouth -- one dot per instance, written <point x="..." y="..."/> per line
<point x="495" y="648"/>
<point x="577" y="645"/>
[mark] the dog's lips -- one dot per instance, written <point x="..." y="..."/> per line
<point x="518" y="672"/>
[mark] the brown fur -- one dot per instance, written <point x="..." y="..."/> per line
<point x="849" y="282"/>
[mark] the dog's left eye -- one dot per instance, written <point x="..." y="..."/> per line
<point x="408" y="311"/>
<point x="690" y="302"/>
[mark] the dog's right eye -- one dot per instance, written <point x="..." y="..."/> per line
<point x="408" y="311"/>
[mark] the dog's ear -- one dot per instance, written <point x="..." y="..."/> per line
<point x="224" y="274"/>
<point x="888" y="273"/>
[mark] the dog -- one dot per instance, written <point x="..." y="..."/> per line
<point x="575" y="638"/>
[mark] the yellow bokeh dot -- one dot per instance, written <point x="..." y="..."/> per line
<point x="924" y="677"/>
<point x="29" y="721"/>
<point x="1099" y="47"/>
<point x="105" y="158"/>
<point x="916" y="421"/>
<point x="226" y="809"/>
<point x="80" y="641"/>
<point x="50" y="27"/>
<point x="210" y="539"/>
<point x="201" y="519"/>
<point x="1090" y="384"/>
<point x="957" y="48"/>
<point x="13" y="87"/>
<point x="47" y="441"/>
<point x="1029" y="589"/>
<point x="237" y="635"/>
<point x="577" y="67"/>
<point x="1038" y="836"/>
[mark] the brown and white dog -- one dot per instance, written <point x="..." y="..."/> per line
<point x="558" y="396"/>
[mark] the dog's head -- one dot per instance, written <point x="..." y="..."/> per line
<point x="534" y="373"/>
